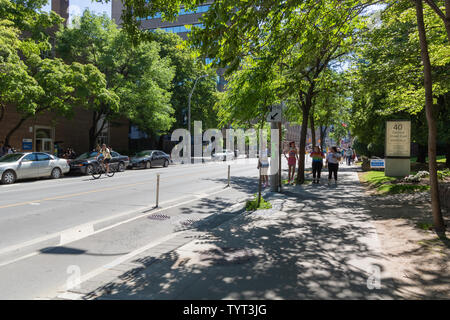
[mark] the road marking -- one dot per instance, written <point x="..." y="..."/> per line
<point x="92" y="232"/>
<point x="76" y="233"/>
<point x="64" y="292"/>
<point x="71" y="195"/>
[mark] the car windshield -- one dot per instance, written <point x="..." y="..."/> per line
<point x="11" y="157"/>
<point x="143" y="153"/>
<point x="87" y="155"/>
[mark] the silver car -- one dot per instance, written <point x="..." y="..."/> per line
<point x="29" y="165"/>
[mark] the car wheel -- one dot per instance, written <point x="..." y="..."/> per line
<point x="56" y="173"/>
<point x="121" y="167"/>
<point x="89" y="169"/>
<point x="148" y="165"/>
<point x="8" y="177"/>
<point x="166" y="163"/>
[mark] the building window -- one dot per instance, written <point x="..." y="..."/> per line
<point x="44" y="139"/>
<point x="182" y="12"/>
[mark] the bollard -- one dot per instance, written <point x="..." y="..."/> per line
<point x="228" y="175"/>
<point x="157" y="190"/>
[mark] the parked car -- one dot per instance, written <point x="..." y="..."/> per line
<point x="85" y="162"/>
<point x="223" y="155"/>
<point x="27" y="165"/>
<point x="149" y="158"/>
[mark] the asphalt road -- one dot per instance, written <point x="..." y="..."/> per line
<point x="49" y="226"/>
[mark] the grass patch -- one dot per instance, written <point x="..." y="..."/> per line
<point x="252" y="205"/>
<point x="424" y="225"/>
<point x="390" y="185"/>
<point x="438" y="159"/>
<point x="376" y="178"/>
<point x="401" y="188"/>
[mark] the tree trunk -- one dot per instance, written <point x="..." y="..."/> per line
<point x="422" y="153"/>
<point x="302" y="147"/>
<point x="323" y="130"/>
<point x="11" y="132"/>
<point x="92" y="135"/>
<point x="93" y="132"/>
<point x="431" y="120"/>
<point x="313" y="129"/>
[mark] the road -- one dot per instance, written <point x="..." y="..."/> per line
<point x="49" y="226"/>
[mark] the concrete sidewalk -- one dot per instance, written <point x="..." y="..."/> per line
<point x="317" y="242"/>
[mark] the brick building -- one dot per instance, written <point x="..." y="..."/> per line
<point x="44" y="131"/>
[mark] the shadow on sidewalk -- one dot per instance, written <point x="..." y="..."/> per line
<point x="305" y="251"/>
<point x="309" y="247"/>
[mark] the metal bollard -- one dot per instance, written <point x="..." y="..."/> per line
<point x="157" y="190"/>
<point x="228" y="175"/>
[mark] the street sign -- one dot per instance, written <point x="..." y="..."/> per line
<point x="27" y="144"/>
<point x="377" y="163"/>
<point x="398" y="138"/>
<point x="274" y="114"/>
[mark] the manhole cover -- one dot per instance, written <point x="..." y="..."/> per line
<point x="158" y="217"/>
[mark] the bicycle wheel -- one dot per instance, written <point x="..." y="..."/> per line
<point x="111" y="172"/>
<point x="97" y="172"/>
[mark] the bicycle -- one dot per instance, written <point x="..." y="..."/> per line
<point x="100" y="169"/>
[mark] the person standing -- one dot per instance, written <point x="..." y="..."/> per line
<point x="349" y="155"/>
<point x="317" y="163"/>
<point x="332" y="161"/>
<point x="2" y="149"/>
<point x="292" y="160"/>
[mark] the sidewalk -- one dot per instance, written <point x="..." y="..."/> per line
<point x="317" y="242"/>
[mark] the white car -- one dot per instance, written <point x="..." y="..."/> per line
<point x="20" y="165"/>
<point x="224" y="155"/>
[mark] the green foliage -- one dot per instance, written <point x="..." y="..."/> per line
<point x="443" y="174"/>
<point x="32" y="81"/>
<point x="137" y="75"/>
<point x="402" y="188"/>
<point x="387" y="76"/>
<point x="390" y="185"/>
<point x="187" y="69"/>
<point x="252" y="205"/>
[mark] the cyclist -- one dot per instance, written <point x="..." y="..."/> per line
<point x="105" y="154"/>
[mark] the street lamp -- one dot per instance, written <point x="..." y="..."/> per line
<point x="189" y="100"/>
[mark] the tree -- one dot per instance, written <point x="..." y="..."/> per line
<point x="32" y="81"/>
<point x="445" y="17"/>
<point x="246" y="102"/>
<point x="136" y="74"/>
<point x="431" y="119"/>
<point x="187" y="69"/>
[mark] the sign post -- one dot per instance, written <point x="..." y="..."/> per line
<point x="398" y="148"/>
<point x="274" y="117"/>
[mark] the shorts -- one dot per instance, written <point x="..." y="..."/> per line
<point x="106" y="160"/>
<point x="291" y="161"/>
<point x="264" y="171"/>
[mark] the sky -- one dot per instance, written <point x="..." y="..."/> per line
<point x="76" y="7"/>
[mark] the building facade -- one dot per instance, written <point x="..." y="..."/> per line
<point x="185" y="18"/>
<point x="48" y="132"/>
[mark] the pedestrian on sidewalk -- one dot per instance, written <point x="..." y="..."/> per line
<point x="332" y="161"/>
<point x="292" y="160"/>
<point x="349" y="155"/>
<point x="317" y="163"/>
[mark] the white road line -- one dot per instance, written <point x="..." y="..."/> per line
<point x="65" y="294"/>
<point x="70" y="232"/>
